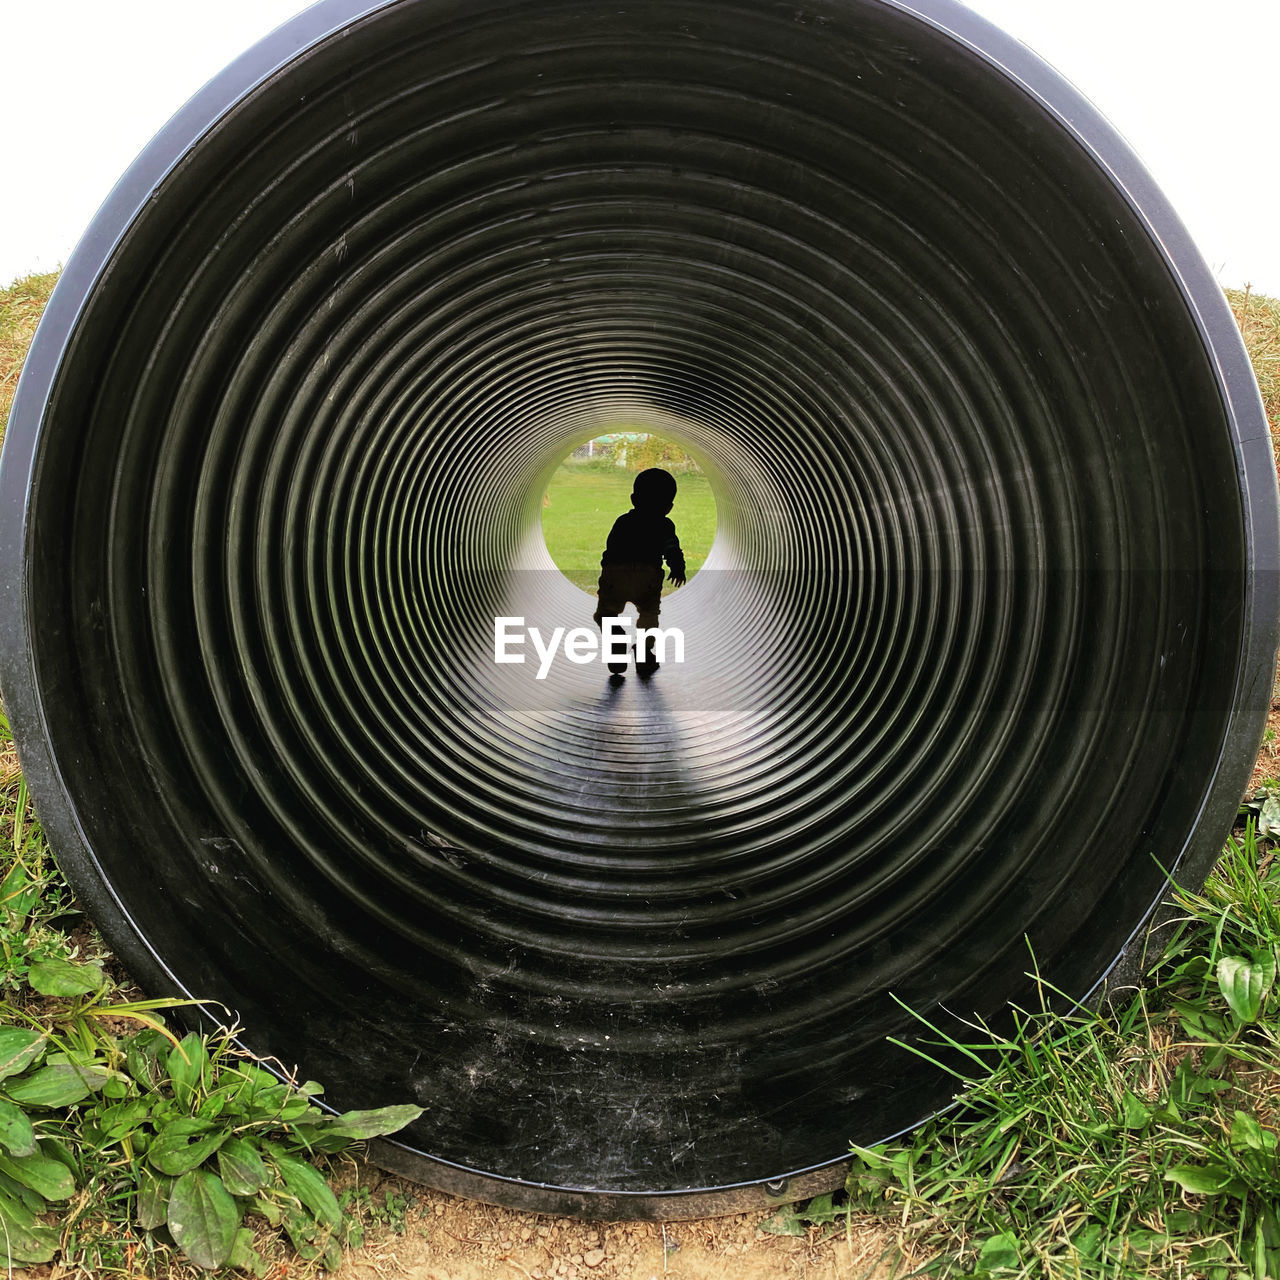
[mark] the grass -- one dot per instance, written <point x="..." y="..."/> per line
<point x="124" y="1149"/>
<point x="1259" y="319"/>
<point x="583" y="501"/>
<point x="1136" y="1141"/>
<point x="1128" y="1144"/>
<point x="1132" y="1142"/>
<point x="21" y="306"/>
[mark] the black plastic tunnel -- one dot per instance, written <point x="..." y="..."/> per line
<point x="979" y="659"/>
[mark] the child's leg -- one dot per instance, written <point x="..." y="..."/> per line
<point x="646" y="590"/>
<point x="611" y="594"/>
<point x="611" y="600"/>
<point x="648" y="602"/>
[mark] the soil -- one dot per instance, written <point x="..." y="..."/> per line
<point x="444" y="1238"/>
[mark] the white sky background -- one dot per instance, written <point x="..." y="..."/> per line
<point x="1192" y="88"/>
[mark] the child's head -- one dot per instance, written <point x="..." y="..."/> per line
<point x="654" y="490"/>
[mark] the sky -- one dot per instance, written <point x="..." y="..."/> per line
<point x="1191" y="87"/>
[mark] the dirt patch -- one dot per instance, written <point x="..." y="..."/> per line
<point x="444" y="1238"/>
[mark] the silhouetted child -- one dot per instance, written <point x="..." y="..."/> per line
<point x="631" y="567"/>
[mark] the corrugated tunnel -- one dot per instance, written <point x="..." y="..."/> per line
<point x="981" y="652"/>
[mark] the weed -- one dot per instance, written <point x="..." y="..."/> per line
<point x="185" y="1136"/>
<point x="389" y="1212"/>
<point x="1089" y="1145"/>
<point x="817" y="1216"/>
<point x="140" y="1143"/>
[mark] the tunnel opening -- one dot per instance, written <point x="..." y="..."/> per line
<point x="968" y="664"/>
<point x="591" y="486"/>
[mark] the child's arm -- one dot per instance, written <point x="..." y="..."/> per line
<point x="674" y="556"/>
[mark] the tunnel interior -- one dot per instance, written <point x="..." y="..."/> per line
<point x="959" y="670"/>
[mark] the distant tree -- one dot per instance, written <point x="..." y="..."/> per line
<point x="658" y="451"/>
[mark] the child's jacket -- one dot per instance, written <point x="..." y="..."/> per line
<point x="644" y="537"/>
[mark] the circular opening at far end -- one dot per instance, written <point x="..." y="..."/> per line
<point x="592" y="487"/>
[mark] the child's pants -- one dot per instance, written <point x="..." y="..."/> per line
<point x="641" y="584"/>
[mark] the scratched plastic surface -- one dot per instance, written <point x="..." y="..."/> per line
<point x="982" y="649"/>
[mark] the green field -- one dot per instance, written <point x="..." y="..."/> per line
<point x="583" y="500"/>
